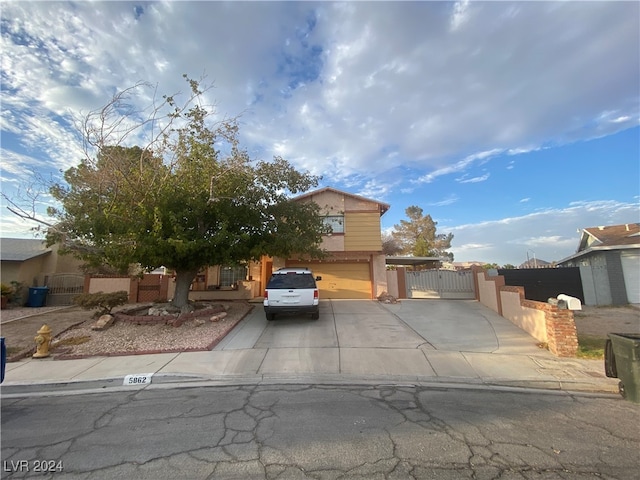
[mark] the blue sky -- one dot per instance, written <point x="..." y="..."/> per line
<point x="513" y="124"/>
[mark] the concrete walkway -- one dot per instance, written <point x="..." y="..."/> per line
<point x="354" y="341"/>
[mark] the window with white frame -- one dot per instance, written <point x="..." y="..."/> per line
<point x="230" y="275"/>
<point x="336" y="222"/>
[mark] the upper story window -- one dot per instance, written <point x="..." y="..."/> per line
<point x="336" y="222"/>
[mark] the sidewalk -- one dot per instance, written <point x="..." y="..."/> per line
<point x="233" y="362"/>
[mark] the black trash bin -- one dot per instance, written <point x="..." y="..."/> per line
<point x="37" y="296"/>
<point x="622" y="360"/>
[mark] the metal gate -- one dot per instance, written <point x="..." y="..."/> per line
<point x="440" y="284"/>
<point x="63" y="287"/>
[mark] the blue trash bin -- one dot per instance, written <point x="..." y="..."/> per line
<point x="3" y="352"/>
<point x="37" y="296"/>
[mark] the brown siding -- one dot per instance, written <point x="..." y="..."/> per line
<point x="362" y="231"/>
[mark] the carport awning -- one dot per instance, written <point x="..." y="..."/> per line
<point x="413" y="261"/>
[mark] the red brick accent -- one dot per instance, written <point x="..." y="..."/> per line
<point x="562" y="335"/>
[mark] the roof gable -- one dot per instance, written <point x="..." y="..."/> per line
<point x="383" y="207"/>
<point x="610" y="236"/>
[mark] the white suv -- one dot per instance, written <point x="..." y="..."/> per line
<point x="292" y="290"/>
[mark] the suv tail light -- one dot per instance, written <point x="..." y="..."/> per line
<point x="266" y="294"/>
<point x="315" y="293"/>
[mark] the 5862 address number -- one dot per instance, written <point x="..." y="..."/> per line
<point x="138" y="379"/>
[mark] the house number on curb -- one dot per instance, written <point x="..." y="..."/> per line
<point x="138" y="379"/>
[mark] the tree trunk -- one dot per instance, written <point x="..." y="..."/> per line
<point x="183" y="284"/>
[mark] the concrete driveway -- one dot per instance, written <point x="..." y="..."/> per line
<point x="364" y="337"/>
<point x="448" y="325"/>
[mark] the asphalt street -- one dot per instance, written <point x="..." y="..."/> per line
<point x="320" y="432"/>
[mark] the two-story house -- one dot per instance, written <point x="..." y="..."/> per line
<point x="355" y="265"/>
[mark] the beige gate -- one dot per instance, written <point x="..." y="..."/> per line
<point x="440" y="284"/>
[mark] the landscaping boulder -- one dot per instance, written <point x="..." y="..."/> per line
<point x="104" y="322"/>
<point x="218" y="316"/>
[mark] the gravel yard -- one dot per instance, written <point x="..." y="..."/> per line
<point x="124" y="338"/>
<point x="73" y="336"/>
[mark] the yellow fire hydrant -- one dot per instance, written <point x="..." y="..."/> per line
<point x="43" y="341"/>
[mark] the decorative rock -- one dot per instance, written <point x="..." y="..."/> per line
<point x="158" y="311"/>
<point x="199" y="322"/>
<point x="386" y="298"/>
<point x="104" y="322"/>
<point x="218" y="316"/>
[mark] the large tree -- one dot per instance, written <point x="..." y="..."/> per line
<point x="188" y="198"/>
<point x="418" y="237"/>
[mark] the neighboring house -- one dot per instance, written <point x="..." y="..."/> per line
<point x="355" y="265"/>
<point x="609" y="261"/>
<point x="33" y="264"/>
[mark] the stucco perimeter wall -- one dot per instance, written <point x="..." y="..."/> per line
<point x="531" y="320"/>
<point x="109" y="284"/>
<point x="487" y="289"/>
<point x="543" y="321"/>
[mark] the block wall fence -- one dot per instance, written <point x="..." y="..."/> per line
<point x="544" y="321"/>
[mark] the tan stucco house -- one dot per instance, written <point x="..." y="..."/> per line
<point x="355" y="265"/>
<point x="31" y="263"/>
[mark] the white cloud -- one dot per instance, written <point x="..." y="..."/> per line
<point x="379" y="97"/>
<point x="478" y="179"/>
<point x="507" y="240"/>
<point x="349" y="85"/>
<point x="450" y="200"/>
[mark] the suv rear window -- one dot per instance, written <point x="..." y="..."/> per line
<point x="291" y="280"/>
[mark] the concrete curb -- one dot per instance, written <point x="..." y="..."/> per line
<point x="173" y="380"/>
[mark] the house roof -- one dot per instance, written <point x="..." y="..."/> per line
<point x="612" y="237"/>
<point x="21" y="249"/>
<point x="383" y="206"/>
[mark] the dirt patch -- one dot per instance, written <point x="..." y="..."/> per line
<point x="20" y="326"/>
<point x="599" y="321"/>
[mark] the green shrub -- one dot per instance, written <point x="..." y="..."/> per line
<point x="105" y="302"/>
<point x="5" y="290"/>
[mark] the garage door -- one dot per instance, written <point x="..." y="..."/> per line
<point x="631" y="271"/>
<point x="341" y="280"/>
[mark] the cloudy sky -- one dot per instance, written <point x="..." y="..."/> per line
<point x="512" y="124"/>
